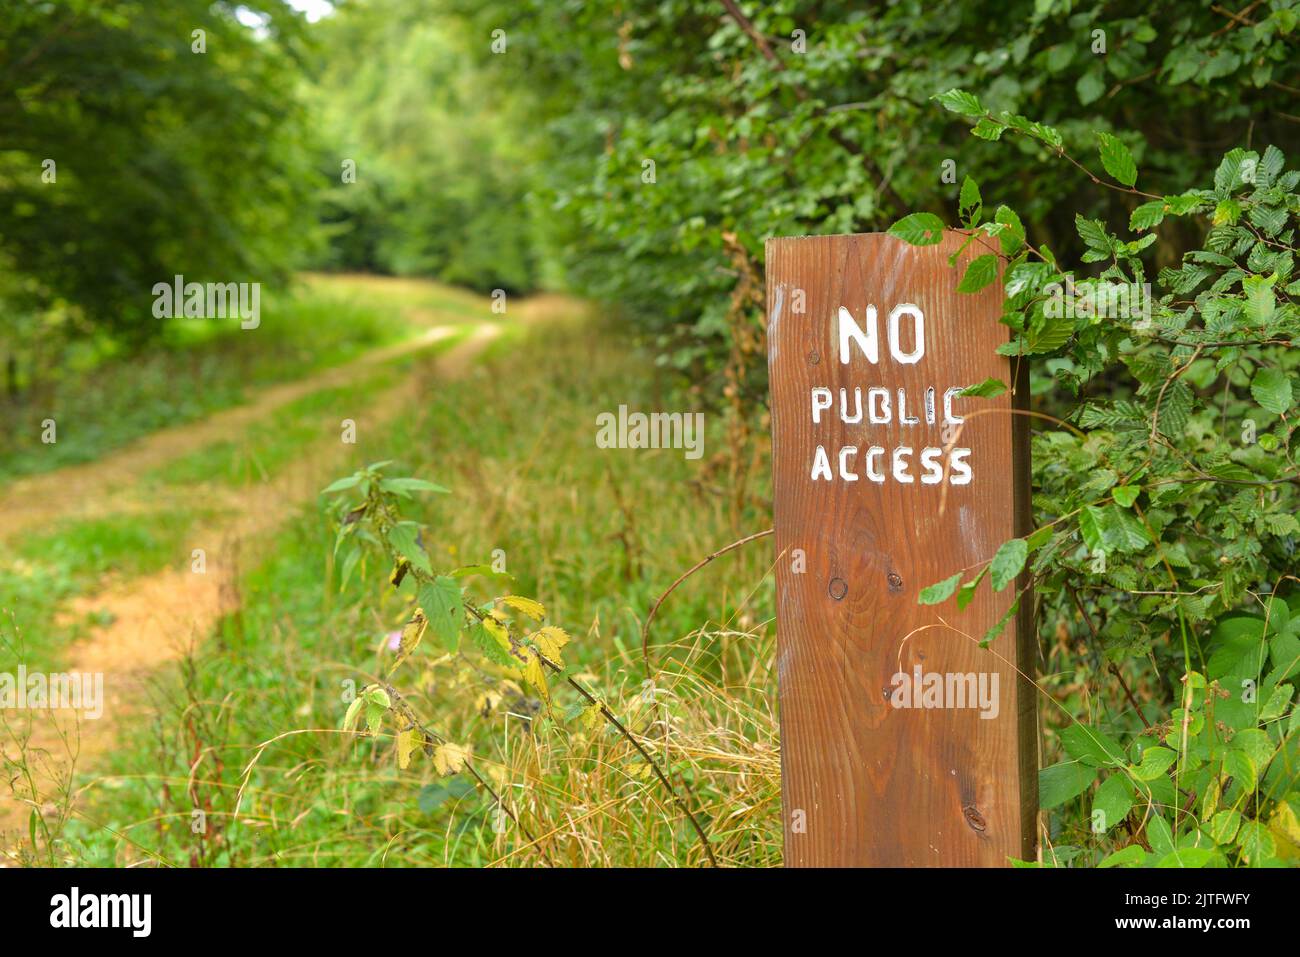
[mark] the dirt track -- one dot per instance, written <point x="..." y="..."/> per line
<point x="155" y="618"/>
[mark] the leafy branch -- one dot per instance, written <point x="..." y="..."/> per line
<point x="507" y="631"/>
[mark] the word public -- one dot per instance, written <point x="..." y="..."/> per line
<point x="931" y="464"/>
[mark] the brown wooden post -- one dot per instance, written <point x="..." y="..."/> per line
<point x="869" y="777"/>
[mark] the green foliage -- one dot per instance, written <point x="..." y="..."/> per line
<point x="443" y="605"/>
<point x="940" y="591"/>
<point x="754" y="135"/>
<point x="1166" y="496"/>
<point x="919" y="229"/>
<point x="1007" y="563"/>
<point x="166" y="160"/>
<point x="441" y="154"/>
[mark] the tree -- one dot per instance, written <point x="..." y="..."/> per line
<point x="141" y="140"/>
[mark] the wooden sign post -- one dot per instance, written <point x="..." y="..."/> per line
<point x="903" y="743"/>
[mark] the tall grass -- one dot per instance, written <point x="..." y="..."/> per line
<point x="101" y="399"/>
<point x="594" y="534"/>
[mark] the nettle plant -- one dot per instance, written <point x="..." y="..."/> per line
<point x="1165" y="497"/>
<point x="499" y="646"/>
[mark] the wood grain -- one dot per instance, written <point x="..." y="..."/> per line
<point x="879" y="785"/>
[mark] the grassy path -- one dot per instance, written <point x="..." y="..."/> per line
<point x="151" y="619"/>
<point x="225" y="690"/>
<point x="97" y="488"/>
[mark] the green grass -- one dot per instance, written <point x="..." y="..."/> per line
<point x="103" y="400"/>
<point x="434" y="301"/>
<point x="515" y="442"/>
<point x="44" y="572"/>
<point x="269" y="446"/>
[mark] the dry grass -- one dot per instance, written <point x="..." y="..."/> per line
<point x="246" y="727"/>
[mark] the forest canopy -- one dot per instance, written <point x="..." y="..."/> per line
<point x="512" y="144"/>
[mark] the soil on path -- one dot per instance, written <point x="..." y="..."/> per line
<point x="157" y="618"/>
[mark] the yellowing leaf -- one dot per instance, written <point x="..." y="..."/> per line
<point x="450" y="758"/>
<point x="591" y="717"/>
<point x="353" y="712"/>
<point x="412" y="632"/>
<point x="535" y="675"/>
<point x="407" y="741"/>
<point x="399" y="572"/>
<point x="497" y="631"/>
<point x="550" y="640"/>
<point x="1285" y="825"/>
<point x="533" y="609"/>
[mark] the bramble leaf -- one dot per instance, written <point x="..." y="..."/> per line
<point x="918" y="229"/>
<point x="940" y="591"/>
<point x="1008" y="562"/>
<point x="443" y="604"/>
<point x="981" y="271"/>
<point x="1117" y="159"/>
